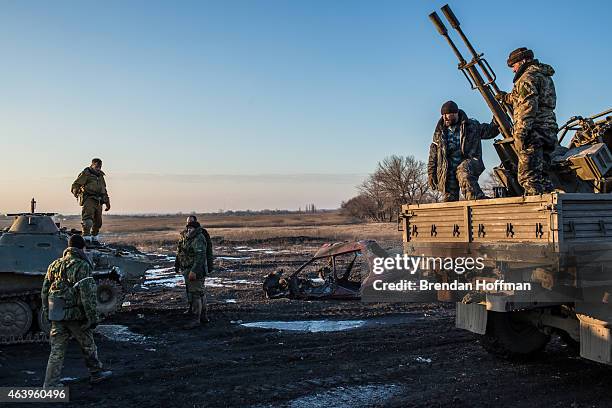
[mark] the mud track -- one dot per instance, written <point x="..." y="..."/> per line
<point x="413" y="356"/>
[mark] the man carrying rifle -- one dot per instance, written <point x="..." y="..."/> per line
<point x="455" y="155"/>
<point x="533" y="100"/>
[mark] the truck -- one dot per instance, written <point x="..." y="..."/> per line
<point x="558" y="243"/>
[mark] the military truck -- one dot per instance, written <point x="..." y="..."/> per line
<point x="560" y="243"/>
<point x="27" y="248"/>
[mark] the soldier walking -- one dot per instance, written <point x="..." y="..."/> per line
<point x="455" y="155"/>
<point x="533" y="100"/>
<point x="90" y="189"/>
<point x="191" y="262"/>
<point x="69" y="300"/>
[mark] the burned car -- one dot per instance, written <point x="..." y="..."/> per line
<point x="334" y="272"/>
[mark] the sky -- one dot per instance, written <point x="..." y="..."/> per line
<point x="254" y="104"/>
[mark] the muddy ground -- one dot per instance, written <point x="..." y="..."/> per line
<point x="402" y="356"/>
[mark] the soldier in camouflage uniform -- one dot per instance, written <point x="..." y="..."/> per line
<point x="455" y="155"/>
<point x="533" y="100"/>
<point x="90" y="189"/>
<point x="69" y="300"/>
<point x="192" y="263"/>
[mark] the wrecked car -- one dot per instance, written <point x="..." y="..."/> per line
<point x="334" y="272"/>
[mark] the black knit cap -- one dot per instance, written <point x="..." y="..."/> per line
<point x="193" y="224"/>
<point x="518" y="55"/>
<point x="76" y="241"/>
<point x="449" y="107"/>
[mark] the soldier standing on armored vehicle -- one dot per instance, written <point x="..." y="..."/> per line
<point x="69" y="299"/>
<point x="90" y="189"/>
<point x="455" y="155"/>
<point x="191" y="261"/>
<point x="533" y="100"/>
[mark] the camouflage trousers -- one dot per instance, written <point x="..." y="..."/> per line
<point x="91" y="216"/>
<point x="533" y="164"/>
<point x="60" y="335"/>
<point x="465" y="179"/>
<point x="195" y="288"/>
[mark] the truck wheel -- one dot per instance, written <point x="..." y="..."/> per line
<point x="511" y="338"/>
<point x="109" y="297"/>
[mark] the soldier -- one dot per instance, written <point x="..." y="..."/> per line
<point x="191" y="261"/>
<point x="69" y="300"/>
<point x="533" y="100"/>
<point x="90" y="189"/>
<point x="455" y="155"/>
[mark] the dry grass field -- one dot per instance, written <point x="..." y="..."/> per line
<point x="152" y="232"/>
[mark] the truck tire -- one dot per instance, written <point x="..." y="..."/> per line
<point x="508" y="337"/>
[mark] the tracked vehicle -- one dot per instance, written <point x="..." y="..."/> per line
<point x="560" y="243"/>
<point x="27" y="248"/>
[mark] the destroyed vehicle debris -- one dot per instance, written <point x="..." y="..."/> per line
<point x="334" y="272"/>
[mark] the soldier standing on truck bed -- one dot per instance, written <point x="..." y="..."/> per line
<point x="90" y="189"/>
<point x="533" y="101"/>
<point x="69" y="300"/>
<point x="455" y="155"/>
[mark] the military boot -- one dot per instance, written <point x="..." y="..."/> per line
<point x="204" y="316"/>
<point x="100" y="376"/>
<point x="189" y="310"/>
<point x="197" y="312"/>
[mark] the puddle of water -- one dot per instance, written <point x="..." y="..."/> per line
<point x="233" y="258"/>
<point x="316" y="326"/>
<point x="312" y="326"/>
<point x="117" y="332"/>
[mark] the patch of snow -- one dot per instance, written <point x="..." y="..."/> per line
<point x="420" y="359"/>
<point x="117" y="332"/>
<point x="353" y="396"/>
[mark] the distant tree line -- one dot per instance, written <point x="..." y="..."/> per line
<point x="397" y="180"/>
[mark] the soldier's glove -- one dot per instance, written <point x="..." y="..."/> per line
<point x="107" y="207"/>
<point x="192" y="276"/>
<point x="501" y="96"/>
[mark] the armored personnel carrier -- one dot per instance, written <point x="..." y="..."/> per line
<point x="559" y="243"/>
<point x="27" y="248"/>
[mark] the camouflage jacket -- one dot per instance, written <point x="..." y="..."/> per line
<point x="191" y="253"/>
<point x="62" y="276"/>
<point x="533" y="100"/>
<point x="90" y="183"/>
<point x="471" y="133"/>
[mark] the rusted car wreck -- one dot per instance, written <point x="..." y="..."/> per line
<point x="334" y="272"/>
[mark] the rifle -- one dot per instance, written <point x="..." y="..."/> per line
<point x="502" y="113"/>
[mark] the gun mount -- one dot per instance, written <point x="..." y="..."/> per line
<point x="577" y="169"/>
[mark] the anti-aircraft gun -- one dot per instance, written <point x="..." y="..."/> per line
<point x="554" y="249"/>
<point x="577" y="169"/>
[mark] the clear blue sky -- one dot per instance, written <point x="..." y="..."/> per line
<point x="256" y="104"/>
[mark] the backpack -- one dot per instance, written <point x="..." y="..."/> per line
<point x="209" y="251"/>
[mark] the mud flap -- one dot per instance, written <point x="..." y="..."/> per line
<point x="595" y="343"/>
<point x="471" y="317"/>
